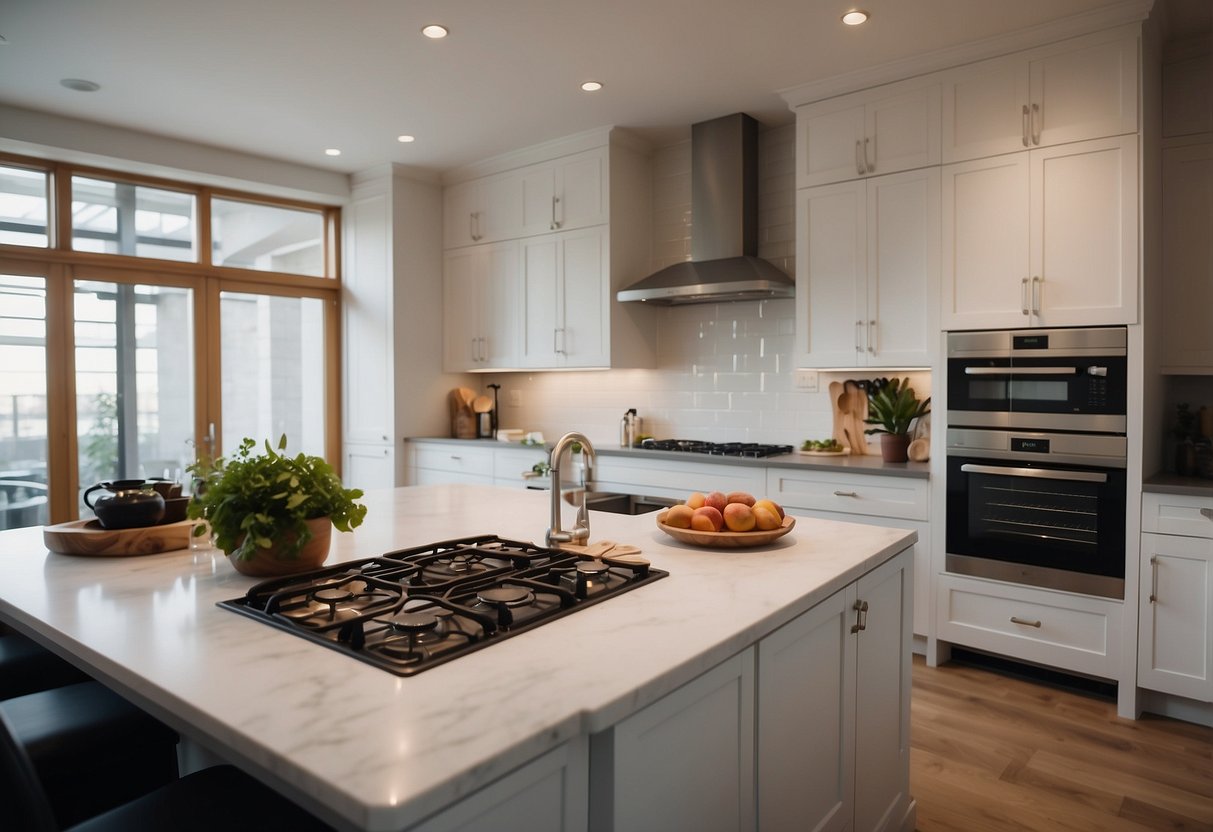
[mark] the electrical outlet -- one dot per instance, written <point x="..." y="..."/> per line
<point x="805" y="380"/>
<point x="514" y="398"/>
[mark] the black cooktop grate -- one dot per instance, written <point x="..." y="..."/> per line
<point x="751" y="450"/>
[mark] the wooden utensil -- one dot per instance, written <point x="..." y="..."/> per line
<point x="836" y="405"/>
<point x="482" y="404"/>
<point x="86" y="537"/>
<point x="858" y="412"/>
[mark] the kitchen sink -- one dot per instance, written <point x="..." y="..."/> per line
<point x="613" y="503"/>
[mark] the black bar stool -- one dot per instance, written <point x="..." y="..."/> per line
<point x="213" y="799"/>
<point x="26" y="667"/>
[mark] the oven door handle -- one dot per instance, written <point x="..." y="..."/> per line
<point x="1040" y="473"/>
<point x="1021" y="371"/>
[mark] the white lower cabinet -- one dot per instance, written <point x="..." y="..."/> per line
<point x="435" y="463"/>
<point x="1175" y="642"/>
<point x="545" y="795"/>
<point x="822" y="745"/>
<point x="368" y="466"/>
<point x="674" y="478"/>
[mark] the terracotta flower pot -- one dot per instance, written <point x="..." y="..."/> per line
<point x="268" y="563"/>
<point x="893" y="447"/>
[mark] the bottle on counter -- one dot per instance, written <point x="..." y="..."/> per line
<point x="629" y="428"/>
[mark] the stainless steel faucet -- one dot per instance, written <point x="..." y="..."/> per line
<point x="581" y="532"/>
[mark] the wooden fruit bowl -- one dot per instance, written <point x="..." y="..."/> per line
<point x="726" y="540"/>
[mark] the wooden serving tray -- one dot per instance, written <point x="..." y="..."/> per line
<point x="86" y="537"/>
<point x="726" y="540"/>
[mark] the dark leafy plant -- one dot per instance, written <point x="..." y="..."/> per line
<point x="894" y="407"/>
<point x="254" y="501"/>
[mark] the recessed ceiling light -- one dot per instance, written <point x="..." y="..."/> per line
<point x="854" y="17"/>
<point x="592" y="86"/>
<point x="80" y="85"/>
<point x="406" y="139"/>
<point x="435" y="31"/>
<point x="332" y="151"/>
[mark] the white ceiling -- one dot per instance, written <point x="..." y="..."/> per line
<point x="289" y="78"/>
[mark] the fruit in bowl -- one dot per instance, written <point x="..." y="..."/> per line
<point x="719" y="519"/>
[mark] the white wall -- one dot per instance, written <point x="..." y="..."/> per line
<point x="724" y="371"/>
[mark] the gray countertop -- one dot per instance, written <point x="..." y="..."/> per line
<point x="1175" y="484"/>
<point x="868" y="464"/>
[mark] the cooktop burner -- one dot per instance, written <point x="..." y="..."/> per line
<point x="752" y="450"/>
<point x="409" y="610"/>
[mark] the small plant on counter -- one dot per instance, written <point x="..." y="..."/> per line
<point x="258" y="501"/>
<point x="893" y="408"/>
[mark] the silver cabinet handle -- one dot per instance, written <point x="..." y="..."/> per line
<point x="456" y="458"/>
<point x="1037" y="281"/>
<point x="858" y="330"/>
<point x="1207" y="513"/>
<point x="872" y="337"/>
<point x="1027" y="142"/>
<point x="861" y="616"/>
<point x="870" y="167"/>
<point x="1037" y="473"/>
<point x="484" y="349"/>
<point x="858" y="161"/>
<point x="558" y="341"/>
<point x="555" y="222"/>
<point x="1025" y="622"/>
<point x="472" y="226"/>
<point x="1153" y="578"/>
<point x="1023" y="296"/>
<point x="1036" y="123"/>
<point x="845" y="494"/>
<point x="475" y="352"/>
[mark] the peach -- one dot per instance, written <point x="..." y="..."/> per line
<point x="679" y="517"/>
<point x="765" y="519"/>
<point x="696" y="500"/>
<point x="771" y="505"/>
<point x="739" y="517"/>
<point x="716" y="500"/>
<point x="740" y="497"/>
<point x="707" y="519"/>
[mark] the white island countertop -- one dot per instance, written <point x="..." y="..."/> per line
<point x="366" y="749"/>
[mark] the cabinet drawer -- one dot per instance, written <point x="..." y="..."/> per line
<point x="1177" y="514"/>
<point x="455" y="459"/>
<point x="675" y="478"/>
<point x="849" y="493"/>
<point x="1077" y="633"/>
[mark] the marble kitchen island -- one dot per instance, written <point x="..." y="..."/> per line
<point x="562" y="711"/>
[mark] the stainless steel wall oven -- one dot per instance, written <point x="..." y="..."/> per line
<point x="1036" y="445"/>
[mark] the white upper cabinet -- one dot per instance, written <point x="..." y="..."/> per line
<point x="875" y="132"/>
<point x="564" y="194"/>
<point x="1080" y="89"/>
<point x="565" y="300"/>
<point x="480" y="307"/>
<point x="1043" y="238"/>
<point x="483" y="210"/>
<point x="867" y="270"/>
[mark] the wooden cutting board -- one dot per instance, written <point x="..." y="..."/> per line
<point x="86" y="537"/>
<point x="837" y="405"/>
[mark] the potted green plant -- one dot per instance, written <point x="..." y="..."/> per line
<point x="893" y="408"/>
<point x="272" y="513"/>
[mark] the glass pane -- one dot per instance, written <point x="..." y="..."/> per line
<point x="267" y="238"/>
<point x="120" y="218"/>
<point x="134" y="381"/>
<point x="272" y="360"/>
<point x="23" y="430"/>
<point x="23" y="207"/>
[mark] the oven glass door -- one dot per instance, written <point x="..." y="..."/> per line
<point x="1063" y="517"/>
<point x="1062" y="385"/>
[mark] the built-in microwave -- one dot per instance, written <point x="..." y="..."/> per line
<point x="1042" y="379"/>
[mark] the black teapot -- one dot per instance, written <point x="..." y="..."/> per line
<point x="130" y="504"/>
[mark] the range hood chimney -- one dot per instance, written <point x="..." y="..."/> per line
<point x="724" y="265"/>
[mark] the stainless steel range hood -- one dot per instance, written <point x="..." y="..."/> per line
<point x="724" y="265"/>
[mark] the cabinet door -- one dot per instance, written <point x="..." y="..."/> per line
<point x="500" y="211"/>
<point x="540" y="279"/>
<point x="368" y="466"/>
<point x="1084" y="232"/>
<point x="581" y="188"/>
<point x="882" y="696"/>
<point x="985" y="243"/>
<point x="1085" y="92"/>
<point x="1175" y="654"/>
<point x="538" y="184"/>
<point x="902" y="131"/>
<point x="461" y="346"/>
<point x="983" y="109"/>
<point x="829" y="144"/>
<point x="831" y="282"/>
<point x="367" y="320"/>
<point x="806" y="713"/>
<point x="684" y="762"/>
<point x="1187" y="257"/>
<point x="902" y="268"/>
<point x="459" y="206"/>
<point x="498" y="298"/>
<point x="582" y="297"/>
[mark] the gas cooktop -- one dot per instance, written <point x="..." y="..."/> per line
<point x="752" y="450"/>
<point x="410" y="610"/>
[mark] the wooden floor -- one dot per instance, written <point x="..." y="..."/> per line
<point x="991" y="752"/>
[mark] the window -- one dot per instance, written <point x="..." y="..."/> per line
<point x="121" y="218"/>
<point x="23" y="403"/>
<point x="267" y="238"/>
<point x="23" y="205"/>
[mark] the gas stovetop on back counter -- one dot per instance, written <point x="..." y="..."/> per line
<point x="751" y="450"/>
<point x="412" y="609"/>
